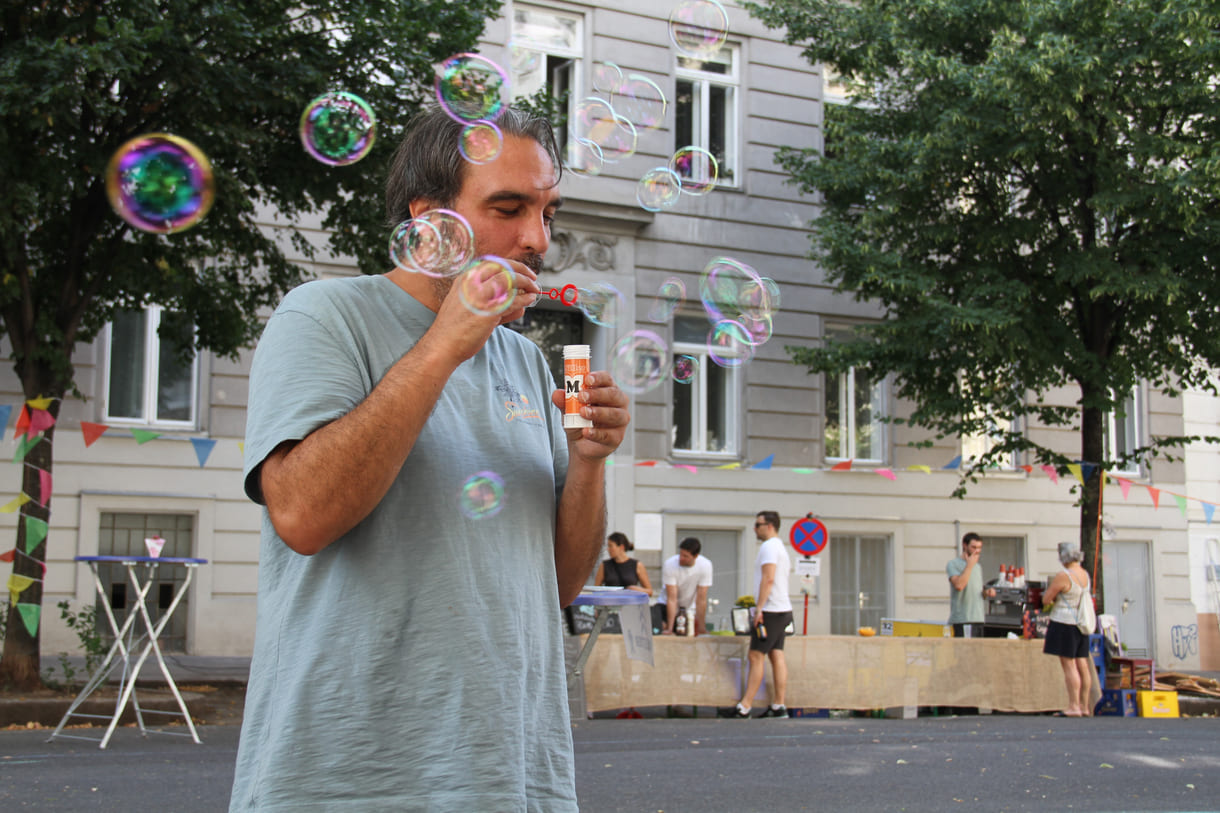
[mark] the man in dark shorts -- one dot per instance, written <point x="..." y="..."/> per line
<point x="771" y="620"/>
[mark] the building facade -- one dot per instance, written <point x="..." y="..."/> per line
<point x="701" y="458"/>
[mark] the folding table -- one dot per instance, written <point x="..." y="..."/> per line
<point x="605" y="602"/>
<point x="127" y="640"/>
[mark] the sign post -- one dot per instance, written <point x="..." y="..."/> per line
<point x="809" y="536"/>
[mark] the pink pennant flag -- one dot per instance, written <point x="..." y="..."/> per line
<point x="887" y="474"/>
<point x="689" y="468"/>
<point x="1051" y="473"/>
<point x="40" y="421"/>
<point x="1155" y="493"/>
<point x="1125" y="485"/>
<point x="44" y="487"/>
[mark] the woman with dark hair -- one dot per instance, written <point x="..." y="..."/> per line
<point x="620" y="570"/>
<point x="1068" y="590"/>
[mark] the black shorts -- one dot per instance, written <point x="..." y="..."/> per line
<point x="777" y="625"/>
<point x="1065" y="640"/>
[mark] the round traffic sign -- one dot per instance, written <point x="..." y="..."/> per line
<point x="809" y="536"/>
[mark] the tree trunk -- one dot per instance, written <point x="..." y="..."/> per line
<point x="20" y="663"/>
<point x="1092" y="452"/>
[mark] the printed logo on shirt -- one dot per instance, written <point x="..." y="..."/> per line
<point x="517" y="405"/>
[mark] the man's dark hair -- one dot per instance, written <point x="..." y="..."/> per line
<point x="970" y="537"/>
<point x="691" y="545"/>
<point x="428" y="165"/>
<point x="771" y="518"/>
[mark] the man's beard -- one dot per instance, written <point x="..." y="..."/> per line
<point x="442" y="285"/>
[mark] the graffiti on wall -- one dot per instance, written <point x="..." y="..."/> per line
<point x="1185" y="640"/>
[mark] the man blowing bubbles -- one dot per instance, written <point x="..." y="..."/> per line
<point x="406" y="656"/>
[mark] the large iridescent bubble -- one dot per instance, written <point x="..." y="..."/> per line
<point x="641" y="101"/>
<point x="471" y="88"/>
<point x="596" y="121"/>
<point x="482" y="495"/>
<point x="698" y="27"/>
<point x="640" y="361"/>
<point x="658" y="189"/>
<point x="670" y="296"/>
<point x="488" y="287"/>
<point x="338" y="128"/>
<point x="602" y="303"/>
<point x="160" y="183"/>
<point x="729" y="344"/>
<point x="730" y="289"/>
<point x="438" y="243"/>
<point x="698" y="169"/>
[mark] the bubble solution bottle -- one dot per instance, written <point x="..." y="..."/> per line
<point x="575" y="368"/>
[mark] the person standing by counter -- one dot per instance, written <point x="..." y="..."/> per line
<point x="966" y="591"/>
<point x="1068" y="590"/>
<point x="685" y="580"/>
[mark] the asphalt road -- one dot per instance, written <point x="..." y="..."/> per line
<point x="993" y="763"/>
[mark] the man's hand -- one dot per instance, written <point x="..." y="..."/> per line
<point x="602" y="402"/>
<point x="973" y="558"/>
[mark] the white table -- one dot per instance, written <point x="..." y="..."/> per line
<point x="131" y="648"/>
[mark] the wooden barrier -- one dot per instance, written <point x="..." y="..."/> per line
<point x="833" y="671"/>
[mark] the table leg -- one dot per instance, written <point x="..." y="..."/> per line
<point x="599" y="621"/>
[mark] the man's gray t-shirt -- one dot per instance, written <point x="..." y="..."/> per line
<point x="965" y="606"/>
<point x="416" y="663"/>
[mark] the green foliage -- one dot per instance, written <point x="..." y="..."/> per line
<point x="84" y="623"/>
<point x="79" y="79"/>
<point x="1029" y="190"/>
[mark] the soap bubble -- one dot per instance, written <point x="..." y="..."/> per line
<point x="597" y="121"/>
<point x="697" y="168"/>
<point x="602" y="303"/>
<point x="338" y="128"/>
<point x="160" y="183"/>
<point x="670" y="297"/>
<point x="685" y="369"/>
<point x="523" y="59"/>
<point x="698" y="27"/>
<point x="472" y="88"/>
<point x="639" y="361"/>
<point x="438" y="243"/>
<point x="488" y="287"/>
<point x="729" y="344"/>
<point x="658" y="189"/>
<point x="732" y="290"/>
<point x="585" y="157"/>
<point x="481" y="142"/>
<point x="607" y="77"/>
<point x="482" y="495"/>
<point x="641" y="101"/>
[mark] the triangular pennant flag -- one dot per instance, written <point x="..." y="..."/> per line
<point x="91" y="431"/>
<point x="144" y="435"/>
<point x="765" y="463"/>
<point x="918" y="467"/>
<point x="17" y="584"/>
<point x="1125" y="485"/>
<point x="647" y="463"/>
<point x="41" y="421"/>
<point x="730" y="466"/>
<point x="803" y="471"/>
<point x="40" y="403"/>
<point x="24" y="445"/>
<point x="6" y="411"/>
<point x="241" y="446"/>
<point x="30" y="613"/>
<point x="44" y="486"/>
<point x="689" y="468"/>
<point x="1086" y="471"/>
<point x="15" y="503"/>
<point x="1208" y="510"/>
<point x="35" y="532"/>
<point x="1051" y="473"/>
<point x="1155" y="493"/>
<point x="23" y="422"/>
<point x="203" y="448"/>
<point x="1028" y="469"/>
<point x="844" y="466"/>
<point x="955" y="463"/>
<point x="887" y="474"/>
<point x="1181" y="501"/>
<point x="1074" y="468"/>
<point x="10" y="555"/>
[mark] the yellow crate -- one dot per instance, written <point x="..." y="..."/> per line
<point x="1157" y="704"/>
<point x="915" y="629"/>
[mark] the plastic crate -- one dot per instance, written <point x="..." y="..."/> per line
<point x="1097" y="649"/>
<point x="1116" y="703"/>
<point x="809" y="713"/>
<point x="1157" y="704"/>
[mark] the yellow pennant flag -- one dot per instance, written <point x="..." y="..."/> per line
<point x="17" y="585"/>
<point x="40" y="403"/>
<point x="924" y="469"/>
<point x="13" y="504"/>
<point x="1074" y="468"/>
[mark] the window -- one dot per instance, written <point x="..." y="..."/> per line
<point x="859" y="582"/>
<point x="546" y="50"/>
<point x="1122" y="434"/>
<point x="123" y="534"/>
<point x="705" y="108"/>
<point x="855" y="405"/>
<point x="706" y="410"/>
<point x="975" y="446"/>
<point x="148" y="382"/>
<point x="551" y="330"/>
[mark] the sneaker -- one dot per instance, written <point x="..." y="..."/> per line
<point x="734" y="713"/>
<point x="780" y="713"/>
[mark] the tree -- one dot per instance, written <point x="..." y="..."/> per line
<point x="78" y="79"/>
<point x="1028" y="189"/>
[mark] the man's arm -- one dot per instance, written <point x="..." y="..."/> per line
<point x="701" y="610"/>
<point x="764" y="589"/>
<point x="962" y="579"/>
<point x="581" y="519"/>
<point x="671" y="606"/>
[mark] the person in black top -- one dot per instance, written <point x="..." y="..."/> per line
<point x="620" y="570"/>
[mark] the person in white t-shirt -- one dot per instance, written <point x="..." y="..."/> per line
<point x="771" y="620"/>
<point x="685" y="580"/>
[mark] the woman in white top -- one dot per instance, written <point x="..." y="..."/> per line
<point x="1067" y="590"/>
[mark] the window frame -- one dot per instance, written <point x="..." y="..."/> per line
<point x="732" y="405"/>
<point x="576" y="90"/>
<point x="701" y="82"/>
<point x="847" y="388"/>
<point x="1132" y="427"/>
<point x="151" y="377"/>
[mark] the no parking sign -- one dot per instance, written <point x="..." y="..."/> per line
<point x="809" y="536"/>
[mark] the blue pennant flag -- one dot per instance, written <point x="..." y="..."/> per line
<point x="5" y="411"/>
<point x="1208" y="510"/>
<point x="955" y="463"/>
<point x="203" y="448"/>
<point x="765" y="463"/>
